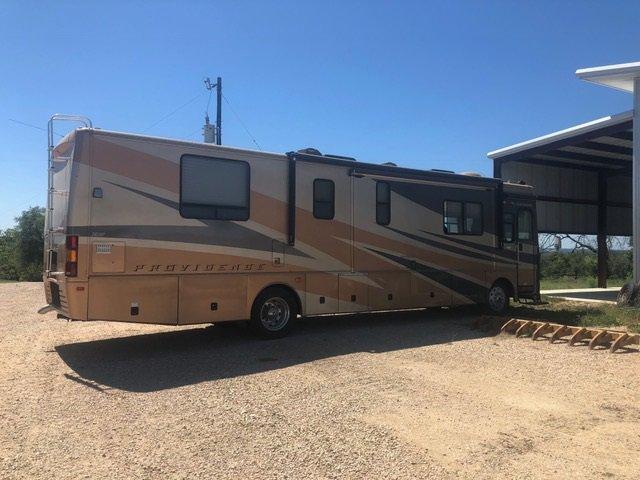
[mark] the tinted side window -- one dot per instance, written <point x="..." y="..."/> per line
<point x="323" y="199"/>
<point x="214" y="188"/>
<point x="525" y="225"/>
<point x="452" y="217"/>
<point x="473" y="218"/>
<point x="383" y="203"/>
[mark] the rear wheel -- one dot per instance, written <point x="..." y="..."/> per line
<point x="273" y="312"/>
<point x="497" y="299"/>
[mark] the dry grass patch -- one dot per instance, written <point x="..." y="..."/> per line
<point x="580" y="313"/>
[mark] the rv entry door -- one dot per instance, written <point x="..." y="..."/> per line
<point x="519" y="237"/>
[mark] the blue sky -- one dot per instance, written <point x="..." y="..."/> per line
<point x="425" y="85"/>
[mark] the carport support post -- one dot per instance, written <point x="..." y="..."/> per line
<point x="636" y="180"/>
<point x="602" y="229"/>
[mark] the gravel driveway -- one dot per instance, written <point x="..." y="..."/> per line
<point x="415" y="395"/>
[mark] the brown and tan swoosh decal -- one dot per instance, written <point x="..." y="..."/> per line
<point x="462" y="286"/>
<point x="450" y="248"/>
<point x="215" y="232"/>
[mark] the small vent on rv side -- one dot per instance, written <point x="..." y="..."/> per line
<point x="103" y="247"/>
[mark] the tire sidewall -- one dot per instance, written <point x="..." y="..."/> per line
<point x="505" y="305"/>
<point x="256" y="323"/>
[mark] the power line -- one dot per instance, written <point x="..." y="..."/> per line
<point x="241" y="122"/>
<point x="32" y="126"/>
<point x="172" y="112"/>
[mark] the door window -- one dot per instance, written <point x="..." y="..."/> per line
<point x="525" y="225"/>
<point x="507" y="228"/>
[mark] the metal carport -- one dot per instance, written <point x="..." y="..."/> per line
<point x="586" y="177"/>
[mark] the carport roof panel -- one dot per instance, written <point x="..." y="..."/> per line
<point x="619" y="76"/>
<point x="605" y="143"/>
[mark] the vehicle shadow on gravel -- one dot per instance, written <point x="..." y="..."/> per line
<point x="151" y="362"/>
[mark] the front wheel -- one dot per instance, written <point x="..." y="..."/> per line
<point x="273" y="312"/>
<point x="497" y="299"/>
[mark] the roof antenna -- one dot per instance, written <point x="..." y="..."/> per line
<point x="211" y="133"/>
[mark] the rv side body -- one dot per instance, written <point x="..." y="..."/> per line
<point x="343" y="236"/>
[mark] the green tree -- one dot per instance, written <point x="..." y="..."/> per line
<point x="8" y="267"/>
<point x="29" y="244"/>
<point x="21" y="247"/>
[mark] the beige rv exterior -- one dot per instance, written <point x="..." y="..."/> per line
<point x="152" y="248"/>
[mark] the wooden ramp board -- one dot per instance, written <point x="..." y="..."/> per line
<point x="536" y="329"/>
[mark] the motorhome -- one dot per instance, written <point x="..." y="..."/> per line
<point x="155" y="230"/>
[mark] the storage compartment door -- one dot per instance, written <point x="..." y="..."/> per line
<point x="354" y="293"/>
<point x="141" y="299"/>
<point x="213" y="298"/>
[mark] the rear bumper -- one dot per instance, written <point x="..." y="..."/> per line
<point x="68" y="298"/>
<point x="52" y="292"/>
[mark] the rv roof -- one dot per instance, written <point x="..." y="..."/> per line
<point x="361" y="167"/>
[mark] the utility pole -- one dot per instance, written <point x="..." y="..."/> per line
<point x="213" y="134"/>
<point x="219" y="111"/>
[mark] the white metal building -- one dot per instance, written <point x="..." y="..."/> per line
<point x="587" y="177"/>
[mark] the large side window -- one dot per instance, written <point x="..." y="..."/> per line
<point x="214" y="188"/>
<point x="452" y="217"/>
<point x="324" y="193"/>
<point x="383" y="203"/>
<point x="462" y="218"/>
<point x="525" y="225"/>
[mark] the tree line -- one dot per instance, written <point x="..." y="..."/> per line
<point x="581" y="263"/>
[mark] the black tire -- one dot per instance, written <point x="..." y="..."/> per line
<point x="273" y="312"/>
<point x="497" y="299"/>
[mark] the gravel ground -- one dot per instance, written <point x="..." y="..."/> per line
<point x="415" y="395"/>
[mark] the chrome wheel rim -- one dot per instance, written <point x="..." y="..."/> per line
<point x="274" y="314"/>
<point x="497" y="299"/>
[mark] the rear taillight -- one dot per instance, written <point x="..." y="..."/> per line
<point x="71" y="266"/>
